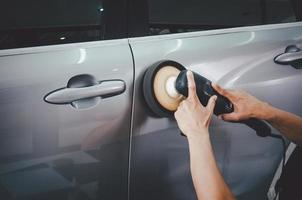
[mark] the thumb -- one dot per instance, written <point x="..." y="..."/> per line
<point x="211" y="103"/>
<point x="191" y="85"/>
<point x="230" y="117"/>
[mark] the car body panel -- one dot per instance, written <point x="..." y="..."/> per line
<point x="52" y="151"/>
<point x="59" y="151"/>
<point x="235" y="58"/>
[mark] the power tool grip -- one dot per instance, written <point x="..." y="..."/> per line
<point x="223" y="105"/>
<point x="204" y="91"/>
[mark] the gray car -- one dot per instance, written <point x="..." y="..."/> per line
<point x="74" y="121"/>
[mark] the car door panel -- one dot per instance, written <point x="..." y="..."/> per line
<point x="53" y="151"/>
<point x="241" y="58"/>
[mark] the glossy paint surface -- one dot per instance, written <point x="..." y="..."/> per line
<point x="234" y="58"/>
<point x="52" y="151"/>
<point x="81" y="150"/>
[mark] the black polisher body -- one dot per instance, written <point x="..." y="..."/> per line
<point x="223" y="105"/>
<point x="204" y="92"/>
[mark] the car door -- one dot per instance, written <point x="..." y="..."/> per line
<point x="238" y="44"/>
<point x="66" y="76"/>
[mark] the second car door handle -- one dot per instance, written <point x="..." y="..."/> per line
<point x="288" y="58"/>
<point x="292" y="55"/>
<point x="69" y="95"/>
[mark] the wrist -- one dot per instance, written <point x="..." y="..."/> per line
<point x="265" y="111"/>
<point x="198" y="136"/>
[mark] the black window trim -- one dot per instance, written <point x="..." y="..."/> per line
<point x="117" y="30"/>
<point x="137" y="11"/>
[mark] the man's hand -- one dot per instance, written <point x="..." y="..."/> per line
<point x="192" y="117"/>
<point x="193" y="120"/>
<point x="245" y="105"/>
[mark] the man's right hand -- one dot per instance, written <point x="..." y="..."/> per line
<point x="245" y="105"/>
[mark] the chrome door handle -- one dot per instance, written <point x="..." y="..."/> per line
<point x="69" y="95"/>
<point x="288" y="58"/>
<point x="292" y="55"/>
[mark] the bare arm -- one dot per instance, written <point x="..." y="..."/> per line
<point x="247" y="106"/>
<point x="208" y="182"/>
<point x="288" y="124"/>
<point x="193" y="119"/>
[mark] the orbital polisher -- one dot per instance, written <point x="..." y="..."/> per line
<point x="165" y="86"/>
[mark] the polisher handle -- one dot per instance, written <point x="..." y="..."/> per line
<point x="262" y="129"/>
<point x="223" y="105"/>
<point x="204" y="92"/>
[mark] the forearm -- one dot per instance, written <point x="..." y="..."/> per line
<point x="290" y="125"/>
<point x="208" y="182"/>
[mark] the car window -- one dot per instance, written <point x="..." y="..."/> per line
<point x="175" y="16"/>
<point x="45" y="22"/>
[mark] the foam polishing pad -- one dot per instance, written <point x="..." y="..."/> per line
<point x="164" y="88"/>
<point x="159" y="88"/>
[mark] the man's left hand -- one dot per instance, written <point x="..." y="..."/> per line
<point x="192" y="117"/>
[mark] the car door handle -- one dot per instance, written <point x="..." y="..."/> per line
<point x="102" y="89"/>
<point x="291" y="56"/>
<point x="288" y="58"/>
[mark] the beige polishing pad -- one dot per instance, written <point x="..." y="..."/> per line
<point x="160" y="84"/>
